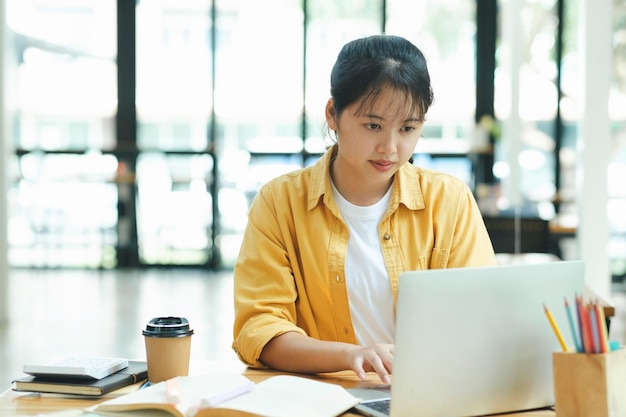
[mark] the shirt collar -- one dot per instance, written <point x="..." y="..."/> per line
<point x="320" y="178"/>
<point x="407" y="189"/>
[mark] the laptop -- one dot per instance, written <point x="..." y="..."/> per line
<point x="475" y="341"/>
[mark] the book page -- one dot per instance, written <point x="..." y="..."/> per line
<point x="278" y="396"/>
<point x="133" y="413"/>
<point x="288" y="396"/>
<point x="192" y="391"/>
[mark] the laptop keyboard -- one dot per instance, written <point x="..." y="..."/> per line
<point x="382" y="405"/>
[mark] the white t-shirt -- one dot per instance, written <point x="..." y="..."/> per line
<point x="369" y="289"/>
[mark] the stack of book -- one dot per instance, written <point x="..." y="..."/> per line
<point x="135" y="372"/>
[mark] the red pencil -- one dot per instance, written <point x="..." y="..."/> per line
<point x="585" y="325"/>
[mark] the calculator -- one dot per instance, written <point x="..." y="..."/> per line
<point x="77" y="367"/>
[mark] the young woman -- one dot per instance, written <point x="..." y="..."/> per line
<point x="316" y="279"/>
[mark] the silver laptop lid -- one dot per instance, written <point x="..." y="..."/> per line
<point x="475" y="341"/>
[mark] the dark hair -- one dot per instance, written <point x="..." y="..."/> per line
<point x="365" y="66"/>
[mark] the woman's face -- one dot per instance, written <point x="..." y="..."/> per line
<point x="376" y="142"/>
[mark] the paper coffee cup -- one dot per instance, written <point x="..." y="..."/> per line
<point x="168" y="345"/>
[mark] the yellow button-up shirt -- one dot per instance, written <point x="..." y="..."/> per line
<point x="290" y="272"/>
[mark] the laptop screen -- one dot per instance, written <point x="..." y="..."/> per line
<point x="475" y="341"/>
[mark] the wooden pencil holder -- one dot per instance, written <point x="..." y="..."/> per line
<point x="591" y="384"/>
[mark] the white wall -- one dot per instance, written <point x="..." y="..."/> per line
<point x="595" y="47"/>
<point x="513" y="45"/>
<point x="4" y="298"/>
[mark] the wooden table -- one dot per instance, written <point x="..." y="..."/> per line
<point x="20" y="404"/>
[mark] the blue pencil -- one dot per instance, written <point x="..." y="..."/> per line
<point x="572" y="327"/>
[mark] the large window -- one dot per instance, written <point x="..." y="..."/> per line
<point x="526" y="90"/>
<point x="63" y="197"/>
<point x="175" y="160"/>
<point x="258" y="104"/>
<point x="226" y="96"/>
<point x="229" y="94"/>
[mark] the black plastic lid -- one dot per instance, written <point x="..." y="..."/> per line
<point x="167" y="327"/>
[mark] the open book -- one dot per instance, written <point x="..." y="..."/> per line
<point x="233" y="395"/>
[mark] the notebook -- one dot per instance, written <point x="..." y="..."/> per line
<point x="476" y="341"/>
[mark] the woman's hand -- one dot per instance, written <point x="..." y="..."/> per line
<point x="375" y="358"/>
<point x="295" y="352"/>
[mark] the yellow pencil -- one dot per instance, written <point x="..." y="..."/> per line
<point x="557" y="332"/>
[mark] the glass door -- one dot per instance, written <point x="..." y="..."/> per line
<point x="62" y="200"/>
<point x="174" y="177"/>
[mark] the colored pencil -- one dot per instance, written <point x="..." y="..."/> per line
<point x="581" y="333"/>
<point x="556" y="329"/>
<point x="595" y="330"/>
<point x="604" y="333"/>
<point x="585" y="326"/>
<point x="572" y="327"/>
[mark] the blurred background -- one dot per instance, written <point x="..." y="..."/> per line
<point x="135" y="134"/>
<point x="140" y="131"/>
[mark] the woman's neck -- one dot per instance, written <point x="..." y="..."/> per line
<point x="356" y="191"/>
